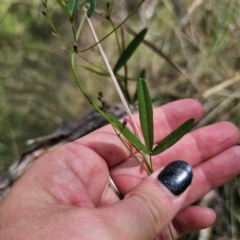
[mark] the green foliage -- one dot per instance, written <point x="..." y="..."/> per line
<point x="146" y="120"/>
<point x="91" y="4"/>
<point x="173" y="137"/>
<point x="134" y="44"/>
<point x="147" y="126"/>
<point x="127" y="134"/>
<point x="38" y="93"/>
<point x="72" y="7"/>
<point x="66" y="10"/>
<point x="145" y="113"/>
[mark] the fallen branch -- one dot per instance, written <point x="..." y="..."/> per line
<point x="67" y="132"/>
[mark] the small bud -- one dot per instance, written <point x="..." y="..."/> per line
<point x="124" y="122"/>
<point x="43" y="12"/>
<point x="100" y="94"/>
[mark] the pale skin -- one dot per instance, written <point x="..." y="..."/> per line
<point x="65" y="194"/>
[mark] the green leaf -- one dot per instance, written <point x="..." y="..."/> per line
<point x="145" y="113"/>
<point x="142" y="75"/>
<point x="91" y="4"/>
<point x="63" y="8"/>
<point x="72" y="7"/>
<point x="173" y="137"/>
<point x="130" y="50"/>
<point x="128" y="134"/>
<point x="91" y="8"/>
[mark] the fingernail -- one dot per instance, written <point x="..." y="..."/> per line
<point x="176" y="176"/>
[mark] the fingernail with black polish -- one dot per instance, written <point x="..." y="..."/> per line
<point x="176" y="176"/>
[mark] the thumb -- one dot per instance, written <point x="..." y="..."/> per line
<point x="149" y="208"/>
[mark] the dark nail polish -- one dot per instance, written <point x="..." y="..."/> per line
<point x="176" y="176"/>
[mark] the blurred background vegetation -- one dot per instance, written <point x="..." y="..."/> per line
<point x="193" y="51"/>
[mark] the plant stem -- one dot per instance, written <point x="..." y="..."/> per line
<point x="150" y="161"/>
<point x="112" y="24"/>
<point x="80" y="27"/>
<point x="55" y="30"/>
<point x="133" y="155"/>
<point x="125" y="70"/>
<point x="80" y="87"/>
<point x="84" y="50"/>
<point x="74" y="34"/>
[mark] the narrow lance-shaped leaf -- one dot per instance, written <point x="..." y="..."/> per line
<point x="145" y="113"/>
<point x="128" y="134"/>
<point x="130" y="50"/>
<point x="142" y="75"/>
<point x="65" y="10"/>
<point x="72" y="7"/>
<point x="173" y="137"/>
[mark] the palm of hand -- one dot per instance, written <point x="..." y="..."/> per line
<point x="78" y="173"/>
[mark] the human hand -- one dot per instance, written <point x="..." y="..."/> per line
<point x="66" y="195"/>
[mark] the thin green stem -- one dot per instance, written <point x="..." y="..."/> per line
<point x="55" y="30"/>
<point x="150" y="161"/>
<point x="125" y="70"/>
<point x="112" y="24"/>
<point x="144" y="156"/>
<point x="131" y="152"/>
<point x="84" y="50"/>
<point x="80" y="27"/>
<point x="101" y="71"/>
<point x="74" y="33"/>
<point x="76" y="78"/>
<point x="80" y="86"/>
<point x="116" y="36"/>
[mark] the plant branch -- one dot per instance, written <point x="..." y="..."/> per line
<point x="55" y="30"/>
<point x="82" y="90"/>
<point x="84" y="50"/>
<point x="74" y="34"/>
<point x="80" y="27"/>
<point x="147" y="170"/>
<point x="125" y="69"/>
